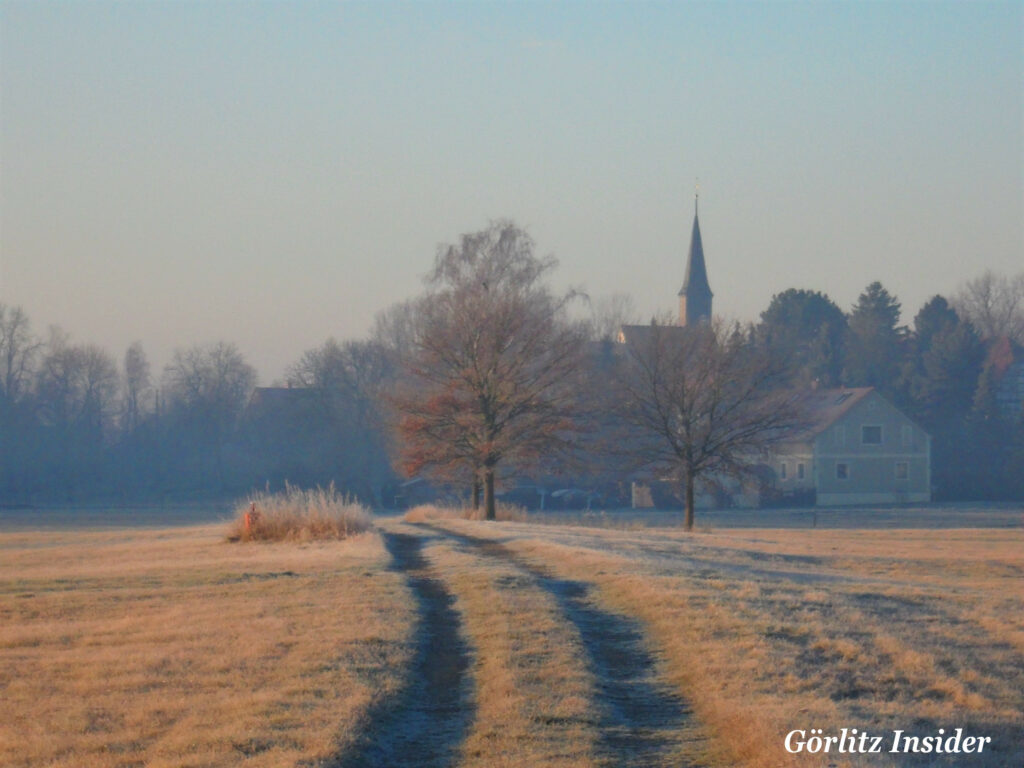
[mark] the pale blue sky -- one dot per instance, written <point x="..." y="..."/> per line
<point x="276" y="173"/>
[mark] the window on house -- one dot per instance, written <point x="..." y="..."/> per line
<point x="840" y="435"/>
<point x="799" y="471"/>
<point x="871" y="435"/>
<point x="907" y="435"/>
<point x="782" y="471"/>
<point x="902" y="470"/>
<point x="842" y="471"/>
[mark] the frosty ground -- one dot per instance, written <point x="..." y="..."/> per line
<point x="582" y="641"/>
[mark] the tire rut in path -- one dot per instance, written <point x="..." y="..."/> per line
<point x="427" y="721"/>
<point x="641" y="719"/>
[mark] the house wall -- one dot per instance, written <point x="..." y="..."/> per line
<point x="875" y="459"/>
<point x="786" y="462"/>
<point x="1010" y="393"/>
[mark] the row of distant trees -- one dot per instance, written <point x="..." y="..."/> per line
<point x="77" y="423"/>
<point x="490" y="375"/>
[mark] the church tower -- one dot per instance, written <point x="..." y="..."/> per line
<point x="695" y="295"/>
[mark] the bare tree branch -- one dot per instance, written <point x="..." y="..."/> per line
<point x="994" y="305"/>
<point x="493" y="358"/>
<point x="702" y="402"/>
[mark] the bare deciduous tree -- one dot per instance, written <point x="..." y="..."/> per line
<point x="216" y="376"/>
<point x="701" y="401"/>
<point x="18" y="350"/>
<point x="349" y="374"/>
<point x="138" y="385"/>
<point x="994" y="305"/>
<point x="492" y="362"/>
<point x="394" y="330"/>
<point x="348" y="381"/>
<point x="77" y="385"/>
<point x="608" y="314"/>
<point x="76" y="394"/>
<point x="210" y="384"/>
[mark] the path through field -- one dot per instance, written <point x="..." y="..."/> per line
<point x="569" y="646"/>
<point x="425" y="724"/>
<point x="591" y="695"/>
<point x="641" y="718"/>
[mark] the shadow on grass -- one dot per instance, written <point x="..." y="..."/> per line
<point x="427" y="721"/>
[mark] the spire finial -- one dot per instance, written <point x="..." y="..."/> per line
<point x="696" y="197"/>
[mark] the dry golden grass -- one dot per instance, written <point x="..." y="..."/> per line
<point x="768" y="631"/>
<point x="425" y="513"/>
<point x="534" y="695"/>
<point x="173" y="648"/>
<point x="298" y="514"/>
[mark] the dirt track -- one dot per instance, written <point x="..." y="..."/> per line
<point x="641" y="718"/>
<point x="426" y="723"/>
<point x="638" y="719"/>
<point x="814" y="620"/>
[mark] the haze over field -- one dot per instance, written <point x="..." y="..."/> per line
<point x="274" y="174"/>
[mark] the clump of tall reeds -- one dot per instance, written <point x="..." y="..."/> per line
<point x="426" y="512"/>
<point x="298" y="514"/>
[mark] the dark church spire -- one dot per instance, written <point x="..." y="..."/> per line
<point x="695" y="295"/>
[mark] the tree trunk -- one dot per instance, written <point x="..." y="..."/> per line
<point x="476" y="492"/>
<point x="688" y="519"/>
<point x="489" y="506"/>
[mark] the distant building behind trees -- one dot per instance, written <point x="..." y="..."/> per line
<point x="486" y="383"/>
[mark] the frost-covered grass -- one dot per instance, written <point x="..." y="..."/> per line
<point x="298" y="514"/>
<point x="170" y="648"/>
<point x="533" y="691"/>
<point x="767" y="631"/>
<point x="427" y="512"/>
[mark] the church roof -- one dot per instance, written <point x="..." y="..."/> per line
<point x="696" y="273"/>
<point x="641" y="335"/>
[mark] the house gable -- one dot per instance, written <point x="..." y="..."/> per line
<point x="855" y="447"/>
<point x="872" y="453"/>
<point x="873" y="426"/>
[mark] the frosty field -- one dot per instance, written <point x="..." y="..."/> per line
<point x="451" y="642"/>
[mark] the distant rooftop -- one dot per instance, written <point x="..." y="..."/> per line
<point x="823" y="407"/>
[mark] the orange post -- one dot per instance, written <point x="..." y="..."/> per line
<point x="251" y="517"/>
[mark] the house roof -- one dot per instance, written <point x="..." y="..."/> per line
<point x="824" y="407"/>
